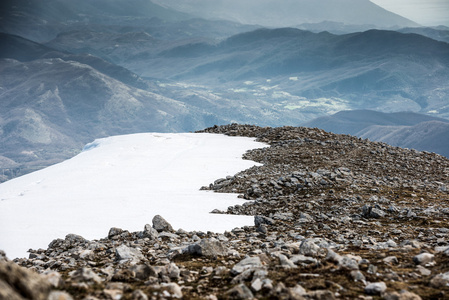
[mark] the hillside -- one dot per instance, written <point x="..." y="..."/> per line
<point x="381" y="70"/>
<point x="43" y="20"/>
<point x="287" y="13"/>
<point x="335" y="217"/>
<point x="79" y="71"/>
<point x="404" y="129"/>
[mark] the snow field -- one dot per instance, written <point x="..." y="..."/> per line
<point x="123" y="181"/>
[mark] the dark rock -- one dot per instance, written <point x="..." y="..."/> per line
<point x="150" y="232"/>
<point x="262" y="220"/>
<point x="377" y="288"/>
<point x="160" y="224"/>
<point x="114" y="231"/>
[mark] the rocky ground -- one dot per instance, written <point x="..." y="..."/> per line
<point x="336" y="217"/>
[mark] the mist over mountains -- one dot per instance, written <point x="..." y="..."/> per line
<point x="71" y="72"/>
<point x="289" y="13"/>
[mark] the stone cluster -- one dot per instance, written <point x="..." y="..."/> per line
<point x="335" y="217"/>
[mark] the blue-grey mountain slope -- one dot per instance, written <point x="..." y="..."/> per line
<point x="376" y="69"/>
<point x="282" y="13"/>
<point x="403" y="129"/>
<point x="432" y="136"/>
<point x="42" y="20"/>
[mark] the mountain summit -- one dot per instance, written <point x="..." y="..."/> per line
<point x="282" y="13"/>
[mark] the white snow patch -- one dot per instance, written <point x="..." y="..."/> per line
<point x="124" y="181"/>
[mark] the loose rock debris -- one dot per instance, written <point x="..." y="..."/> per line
<point x="335" y="217"/>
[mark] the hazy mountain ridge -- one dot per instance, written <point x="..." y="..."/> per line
<point x="367" y="69"/>
<point x="288" y="13"/>
<point x="407" y="130"/>
<point x="117" y="68"/>
<point x="43" y="20"/>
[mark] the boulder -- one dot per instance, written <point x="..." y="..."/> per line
<point x="160" y="224"/>
<point x="208" y="247"/>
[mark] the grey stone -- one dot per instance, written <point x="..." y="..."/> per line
<point x="348" y="263"/>
<point x="285" y="262"/>
<point x="85" y="274"/>
<point x="423" y="271"/>
<point x="3" y="256"/>
<point x="376" y="288"/>
<point x="358" y="276"/>
<point x="160" y="224"/>
<point x="173" y="290"/>
<point x="240" y="291"/>
<point x="403" y="295"/>
<point x="114" y="231"/>
<point x="208" y="247"/>
<point x="245" y="264"/>
<point x="309" y="248"/>
<point x="124" y="254"/>
<point x="302" y="259"/>
<point x="440" y="281"/>
<point x="260" y="220"/>
<point x="256" y="285"/>
<point x="297" y="292"/>
<point x="392" y="260"/>
<point x="173" y="271"/>
<point x="150" y="232"/>
<point x="17" y="282"/>
<point x="372" y="212"/>
<point x="423" y="258"/>
<point x="74" y="239"/>
<point x="142" y="272"/>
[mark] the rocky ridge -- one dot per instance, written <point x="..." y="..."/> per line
<point x="336" y="217"/>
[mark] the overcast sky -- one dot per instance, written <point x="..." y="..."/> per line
<point x="424" y="12"/>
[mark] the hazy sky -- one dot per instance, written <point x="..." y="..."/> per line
<point x="424" y="12"/>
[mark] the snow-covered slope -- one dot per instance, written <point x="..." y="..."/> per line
<point x="124" y="181"/>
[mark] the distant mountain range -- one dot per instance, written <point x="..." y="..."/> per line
<point x="405" y="129"/>
<point x="71" y="72"/>
<point x="288" y="13"/>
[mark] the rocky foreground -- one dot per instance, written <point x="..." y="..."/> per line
<point x="336" y="217"/>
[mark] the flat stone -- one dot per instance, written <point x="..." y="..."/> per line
<point x="126" y="254"/>
<point x="209" y="248"/>
<point x="245" y="264"/>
